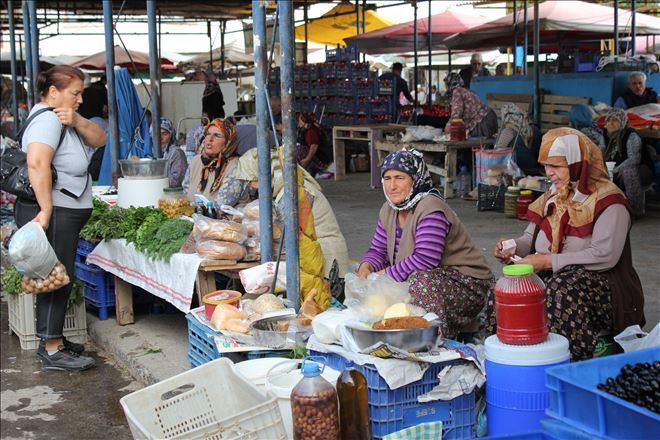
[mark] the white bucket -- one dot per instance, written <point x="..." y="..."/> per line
<point x="256" y="370"/>
<point x="281" y="380"/>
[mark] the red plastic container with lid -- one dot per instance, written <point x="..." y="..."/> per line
<point x="520" y="306"/>
<point x="522" y="203"/>
<point x="457" y="130"/>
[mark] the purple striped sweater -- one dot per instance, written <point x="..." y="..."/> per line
<point x="430" y="236"/>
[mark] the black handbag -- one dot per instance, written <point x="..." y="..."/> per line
<point x="14" y="177"/>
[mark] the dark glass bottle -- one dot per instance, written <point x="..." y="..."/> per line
<point x="353" y="404"/>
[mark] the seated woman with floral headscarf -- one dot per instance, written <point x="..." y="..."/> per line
<point x="520" y="134"/>
<point x="479" y="119"/>
<point x="633" y="164"/>
<point x="177" y="164"/>
<point x="419" y="238"/>
<point x="211" y="171"/>
<point x="577" y="241"/>
<point x="582" y="118"/>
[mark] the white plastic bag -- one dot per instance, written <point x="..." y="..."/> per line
<point x="327" y="325"/>
<point x="31" y="253"/>
<point x="633" y="338"/>
<point x="371" y="296"/>
<point x="259" y="279"/>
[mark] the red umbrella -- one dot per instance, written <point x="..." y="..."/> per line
<point x="560" y="22"/>
<point x="122" y="58"/>
<point x="400" y="37"/>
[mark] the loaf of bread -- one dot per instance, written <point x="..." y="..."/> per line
<point x="399" y="323"/>
<point x="223" y="230"/>
<point x="220" y="250"/>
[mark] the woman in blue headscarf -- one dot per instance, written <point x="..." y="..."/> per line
<point x="582" y="118"/>
<point x="420" y="239"/>
<point x="177" y="165"/>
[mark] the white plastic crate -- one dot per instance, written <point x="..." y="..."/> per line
<point x="23" y="320"/>
<point x="208" y="402"/>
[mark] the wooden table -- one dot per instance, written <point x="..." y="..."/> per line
<point x="363" y="133"/>
<point x="205" y="283"/>
<point x="445" y="151"/>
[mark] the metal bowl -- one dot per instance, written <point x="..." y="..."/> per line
<point x="144" y="168"/>
<point x="266" y="332"/>
<point x="411" y="340"/>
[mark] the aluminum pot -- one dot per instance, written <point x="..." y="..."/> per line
<point x="144" y="168"/>
<point x="411" y="340"/>
<point x="267" y="332"/>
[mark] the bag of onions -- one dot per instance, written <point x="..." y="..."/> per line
<point x="33" y="256"/>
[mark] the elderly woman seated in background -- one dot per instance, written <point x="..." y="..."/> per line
<point x="479" y="119"/>
<point x="419" y="238"/>
<point x="518" y="133"/>
<point x="578" y="243"/>
<point x="582" y="118"/>
<point x="211" y="171"/>
<point x="177" y="164"/>
<point x="633" y="164"/>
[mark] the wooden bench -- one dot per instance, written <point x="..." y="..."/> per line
<point x="554" y="108"/>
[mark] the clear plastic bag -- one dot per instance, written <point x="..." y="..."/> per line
<point x="56" y="279"/>
<point x="222" y="230"/>
<point x="633" y="338"/>
<point x="371" y="296"/>
<point x="220" y="250"/>
<point x="31" y="253"/>
<point x="251" y="210"/>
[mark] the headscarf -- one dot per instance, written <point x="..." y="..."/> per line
<point x="166" y="124"/>
<point x="580" y="116"/>
<point x="228" y="129"/>
<point x="412" y="163"/>
<point x="517" y="120"/>
<point x="212" y="99"/>
<point x="573" y="210"/>
<point x="453" y="81"/>
<point x="615" y="140"/>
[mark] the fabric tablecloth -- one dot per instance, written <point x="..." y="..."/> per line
<point x="173" y="281"/>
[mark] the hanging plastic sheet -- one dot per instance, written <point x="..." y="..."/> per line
<point x="134" y="133"/>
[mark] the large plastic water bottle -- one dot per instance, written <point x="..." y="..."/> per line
<point x="463" y="181"/>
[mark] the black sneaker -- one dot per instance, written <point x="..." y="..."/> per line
<point x="69" y="345"/>
<point x="64" y="360"/>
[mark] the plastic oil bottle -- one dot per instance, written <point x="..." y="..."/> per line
<point x="353" y="404"/>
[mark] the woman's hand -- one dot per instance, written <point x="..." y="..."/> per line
<point x="539" y="261"/>
<point x="497" y="252"/>
<point x="43" y="218"/>
<point x="67" y="116"/>
<point x="364" y="270"/>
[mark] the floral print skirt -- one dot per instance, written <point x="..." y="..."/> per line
<point x="456" y="298"/>
<point x="579" y="307"/>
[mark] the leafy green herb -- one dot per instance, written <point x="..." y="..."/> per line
<point x="146" y="232"/>
<point x="110" y="225"/>
<point x="134" y="218"/>
<point x="11" y="280"/>
<point x="77" y="294"/>
<point x="169" y="238"/>
<point x="88" y="231"/>
<point x="299" y="352"/>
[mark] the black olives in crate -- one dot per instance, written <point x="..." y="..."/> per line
<point x="638" y="384"/>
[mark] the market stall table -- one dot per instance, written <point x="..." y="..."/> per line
<point x="361" y="133"/>
<point x="444" y="152"/>
<point x="172" y="281"/>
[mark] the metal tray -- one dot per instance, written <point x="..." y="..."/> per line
<point x="266" y="334"/>
<point x="411" y="340"/>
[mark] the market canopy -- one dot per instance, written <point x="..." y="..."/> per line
<point x="400" y="37"/>
<point x="123" y="59"/>
<point x="559" y="22"/>
<point x="339" y="23"/>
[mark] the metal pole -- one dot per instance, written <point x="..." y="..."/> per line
<point x="515" y="34"/>
<point x="415" y="51"/>
<point x="154" y="78"/>
<point x="263" y="149"/>
<point x="633" y="32"/>
<point x="34" y="41"/>
<point x="113" y="124"/>
<point x="208" y="31"/>
<point x="525" y="19"/>
<point x="449" y="60"/>
<point x="28" y="54"/>
<point x="306" y="34"/>
<point x="537" y="73"/>
<point x="616" y="29"/>
<point x="14" y="77"/>
<point x="223" y="26"/>
<point x="364" y="25"/>
<point x="291" y="228"/>
<point x="430" y="31"/>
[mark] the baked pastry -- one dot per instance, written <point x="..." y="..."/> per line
<point x="403" y="322"/>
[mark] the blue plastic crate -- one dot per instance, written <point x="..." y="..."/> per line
<point x="575" y="400"/>
<point x="267" y="354"/>
<point x="393" y="410"/>
<point x="342" y="54"/>
<point x="93" y="275"/>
